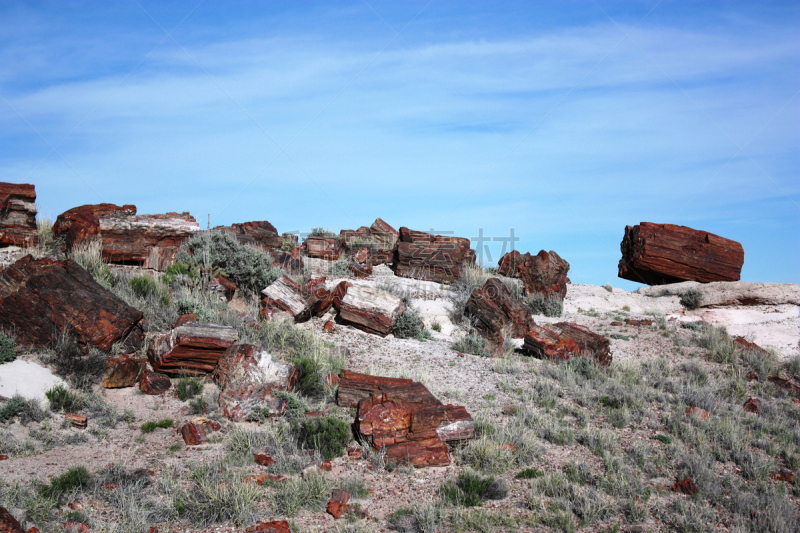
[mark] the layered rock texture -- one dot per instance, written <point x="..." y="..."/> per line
<point x="42" y="299"/>
<point x="259" y="234"/>
<point x="193" y="348"/>
<point x="371" y="310"/>
<point x="564" y="341"/>
<point x="656" y="254"/>
<point x="151" y="241"/>
<point x="544" y="273"/>
<point x="432" y="257"/>
<point x="495" y="309"/>
<point x="17" y="215"/>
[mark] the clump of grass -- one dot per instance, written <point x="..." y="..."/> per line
<point x="44" y="230"/>
<point x="8" y="348"/>
<point x="436" y="326"/>
<point x="61" y="399"/>
<point x="692" y="298"/>
<point x="472" y="277"/>
<point x="327" y="435"/>
<point x="89" y="255"/>
<point x="188" y="388"/>
<point x="323" y="232"/>
<point x="150" y="426"/>
<point x="75" y="478"/>
<point x="473" y="344"/>
<point x="538" y="304"/>
<point x="307" y="492"/>
<point x="608" y="287"/>
<point x="69" y="362"/>
<point x="529" y="473"/>
<point x="144" y="286"/>
<point x="26" y="409"/>
<point x="219" y="495"/>
<point x="470" y="489"/>
<point x="409" y="326"/>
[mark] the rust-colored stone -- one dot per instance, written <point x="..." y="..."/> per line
<point x="371" y="310"/>
<point x="783" y="474"/>
<point x="153" y="383"/>
<point x="193" y="434"/>
<point x="752" y="405"/>
<point x="77" y="421"/>
<point x="224" y="286"/>
<point x="41" y="299"/>
<point x="656" y="254"/>
<point x="185" y="319"/>
<point x="785" y="384"/>
<point x="123" y="371"/>
<point x="263" y="459"/>
<point x="638" y="323"/>
<point x="563" y="341"/>
<point x="323" y="248"/>
<point x="696" y="412"/>
<point x="329" y="327"/>
<point x="18" y="215"/>
<point x="9" y="524"/>
<point x="260" y="234"/>
<point x="544" y="273"/>
<point x="360" y="271"/>
<point x="494" y="308"/>
<point x="745" y="345"/>
<point x="194" y="348"/>
<point x="686" y="486"/>
<point x="337" y="505"/>
<point x="432" y="257"/>
<point x="275" y="526"/>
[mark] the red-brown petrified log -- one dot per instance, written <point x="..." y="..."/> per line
<point x="323" y="247"/>
<point x="495" y="308"/>
<point x="432" y="257"/>
<point x="656" y="254"/>
<point x="563" y="341"/>
<point x="258" y="234"/>
<point x="544" y="273"/>
<point x="42" y="299"/>
<point x="17" y="215"/>
<point x="194" y="348"/>
<point x="371" y="310"/>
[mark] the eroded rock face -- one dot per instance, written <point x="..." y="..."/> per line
<point x="494" y="307"/>
<point x="656" y="254"/>
<point x="247" y="375"/>
<point x="40" y="299"/>
<point x="193" y="348"/>
<point x="17" y="215"/>
<point x="544" y="273"/>
<point x="564" y="341"/>
<point x="432" y="257"/>
<point x="151" y="241"/>
<point x="371" y="310"/>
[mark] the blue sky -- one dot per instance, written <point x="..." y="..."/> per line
<point x="565" y="121"/>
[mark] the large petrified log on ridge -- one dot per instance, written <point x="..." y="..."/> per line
<point x="258" y="233"/>
<point x="43" y="299"/>
<point x="18" y="214"/>
<point x="544" y="273"/>
<point x="432" y="257"/>
<point x="657" y="254"/>
<point x="379" y="237"/>
<point x="194" y="348"/>
<point x="371" y="310"/>
<point x="563" y="341"/>
<point x="403" y="417"/>
<point x="323" y="247"/>
<point x="246" y="376"/>
<point x="151" y="241"/>
<point x="494" y="308"/>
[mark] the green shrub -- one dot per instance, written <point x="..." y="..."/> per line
<point x="74" y="478"/>
<point x="608" y="287"/>
<point x="61" y="399"/>
<point x="322" y="232"/>
<point x="150" y="426"/>
<point x="409" y="326"/>
<point x="187" y="388"/>
<point x="44" y="230"/>
<point x="198" y="406"/>
<point x="529" y="473"/>
<point x="12" y="408"/>
<point x="470" y="489"/>
<point x="435" y="326"/>
<point x="472" y="344"/>
<point x="26" y="409"/>
<point x="692" y="298"/>
<point x="144" y="286"/>
<point x="539" y="305"/>
<point x="328" y="435"/>
<point x="8" y="348"/>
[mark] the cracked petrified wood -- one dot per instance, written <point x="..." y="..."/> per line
<point x="403" y="417"/>
<point x="123" y="371"/>
<point x="563" y="341"/>
<point x="194" y="348"/>
<point x="259" y="233"/>
<point x="494" y="308"/>
<point x="432" y="257"/>
<point x="285" y="294"/>
<point x="17" y="214"/>
<point x="657" y="254"/>
<point x="544" y="273"/>
<point x="323" y="247"/>
<point x="42" y="299"/>
<point x="371" y="310"/>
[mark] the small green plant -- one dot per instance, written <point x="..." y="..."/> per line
<point x="187" y="388"/>
<point x="620" y="336"/>
<point x="538" y="304"/>
<point x="626" y="308"/>
<point x="144" y="286"/>
<point x="529" y="473"/>
<point x="150" y="426"/>
<point x="472" y="344"/>
<point x="692" y="298"/>
<point x="328" y="435"/>
<point x="322" y="232"/>
<point x="61" y="399"/>
<point x="8" y="348"/>
<point x="12" y="408"/>
<point x="44" y="230"/>
<point x="608" y="287"/>
<point x="198" y="405"/>
<point x="74" y="478"/>
<point x="470" y="489"/>
<point x="409" y="326"/>
<point x="435" y="326"/>
<point x="666" y="439"/>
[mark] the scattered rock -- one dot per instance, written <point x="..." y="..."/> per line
<point x="563" y="341"/>
<point x="259" y="234"/>
<point x="123" y="371"/>
<point x="494" y="308"/>
<point x="285" y="294"/>
<point x="686" y="486"/>
<point x="638" y="323"/>
<point x="783" y="475"/>
<point x="432" y="257"/>
<point x="76" y="421"/>
<point x="18" y="215"/>
<point x="9" y="524"/>
<point x="223" y="286"/>
<point x="732" y="293"/>
<point x="185" y="319"/>
<point x="153" y="383"/>
<point x="194" y="348"/>
<point x="371" y="310"/>
<point x="246" y="376"/>
<point x="785" y="384"/>
<point x="752" y="405"/>
<point x="360" y="271"/>
<point x="193" y="434"/>
<point x="337" y="505"/>
<point x="656" y="254"/>
<point x="275" y="526"/>
<point x="263" y="459"/>
<point x="75" y="527"/>
<point x="544" y="273"/>
<point x="329" y="327"/>
<point x="41" y="299"/>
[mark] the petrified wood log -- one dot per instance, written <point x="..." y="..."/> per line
<point x="563" y="341"/>
<point x="337" y="505"/>
<point x="323" y="247"/>
<point x="432" y="257"/>
<point x="17" y="214"/>
<point x="354" y="387"/>
<point x="494" y="307"/>
<point x="288" y="262"/>
<point x="259" y="234"/>
<point x="122" y="371"/>
<point x="153" y="383"/>
<point x="194" y="434"/>
<point x="385" y="234"/>
<point x="194" y="348"/>
<point x="371" y="310"/>
<point x="9" y="524"/>
<point x="657" y="254"/>
<point x="41" y="299"/>
<point x="246" y="376"/>
<point x="360" y="271"/>
<point x="544" y="273"/>
<point x="285" y="294"/>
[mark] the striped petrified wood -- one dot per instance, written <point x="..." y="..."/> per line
<point x="657" y="254"/>
<point x="371" y="310"/>
<point x="432" y="257"/>
<point x="17" y="214"/>
<point x="563" y="341"/>
<point x="194" y="348"/>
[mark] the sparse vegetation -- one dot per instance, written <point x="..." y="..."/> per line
<point x="409" y="326"/>
<point x="470" y="489"/>
<point x="692" y="298"/>
<point x="61" y="399"/>
<point x="8" y="348"/>
<point x="538" y="304"/>
<point x="187" y="388"/>
<point x="473" y="344"/>
<point x="328" y="435"/>
<point x="150" y="426"/>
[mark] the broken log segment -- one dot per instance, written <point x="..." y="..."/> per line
<point x="494" y="308"/>
<point x="372" y="310"/>
<point x="18" y="215"/>
<point x="564" y="341"/>
<point x="194" y="348"/>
